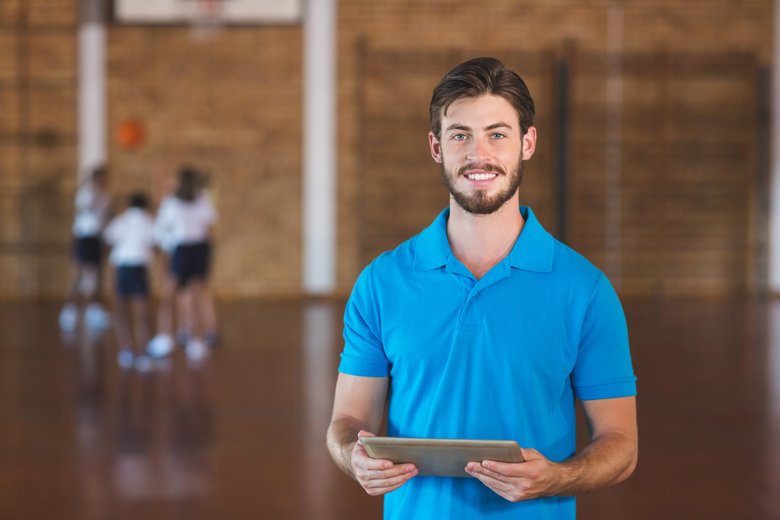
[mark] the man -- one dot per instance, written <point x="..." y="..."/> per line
<point x="485" y="327"/>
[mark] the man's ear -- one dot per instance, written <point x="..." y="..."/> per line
<point x="529" y="143"/>
<point x="435" y="147"/>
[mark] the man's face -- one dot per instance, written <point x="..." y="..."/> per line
<point x="481" y="152"/>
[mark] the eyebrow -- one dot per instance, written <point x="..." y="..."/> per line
<point x="458" y="126"/>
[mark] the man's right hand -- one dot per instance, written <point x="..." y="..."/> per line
<point x="378" y="476"/>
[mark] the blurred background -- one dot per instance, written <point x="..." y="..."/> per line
<point x="310" y="117"/>
<point x="658" y="110"/>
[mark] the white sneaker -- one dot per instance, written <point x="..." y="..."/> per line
<point x="125" y="359"/>
<point x="95" y="317"/>
<point x="143" y="364"/>
<point x="160" y="346"/>
<point x="196" y="350"/>
<point x="69" y="318"/>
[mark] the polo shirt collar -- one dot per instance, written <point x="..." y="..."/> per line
<point x="433" y="247"/>
<point x="533" y="250"/>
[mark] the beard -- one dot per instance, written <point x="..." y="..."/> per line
<point x="479" y="203"/>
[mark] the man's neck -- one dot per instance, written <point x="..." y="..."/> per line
<point x="482" y="241"/>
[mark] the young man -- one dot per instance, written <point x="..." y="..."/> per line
<point x="485" y="327"/>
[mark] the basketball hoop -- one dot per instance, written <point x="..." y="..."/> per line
<point x="207" y="19"/>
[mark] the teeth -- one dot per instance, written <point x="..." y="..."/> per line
<point x="482" y="176"/>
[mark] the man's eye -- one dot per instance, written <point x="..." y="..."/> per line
<point x="459" y="137"/>
<point x="498" y="136"/>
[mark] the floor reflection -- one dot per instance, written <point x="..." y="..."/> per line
<point x="241" y="435"/>
<point x="318" y="381"/>
<point x="145" y="436"/>
<point x="773" y="409"/>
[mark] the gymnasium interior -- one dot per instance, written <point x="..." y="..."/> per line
<point x="656" y="159"/>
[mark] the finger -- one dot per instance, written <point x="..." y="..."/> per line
<point x="389" y="482"/>
<point x="383" y="486"/>
<point x="360" y="457"/>
<point x="502" y="468"/>
<point x="483" y="469"/>
<point x="366" y="462"/>
<point x="530" y="454"/>
<point x="382" y="474"/>
<point x="381" y="491"/>
<point x="498" y="486"/>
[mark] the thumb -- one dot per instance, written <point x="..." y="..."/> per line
<point x="364" y="433"/>
<point x="529" y="453"/>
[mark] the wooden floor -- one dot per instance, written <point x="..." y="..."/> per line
<point x="242" y="435"/>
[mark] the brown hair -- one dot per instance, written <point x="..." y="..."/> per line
<point x="189" y="184"/>
<point x="475" y="78"/>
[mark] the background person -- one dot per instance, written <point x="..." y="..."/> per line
<point x="162" y="343"/>
<point x="92" y="210"/>
<point x="183" y="224"/>
<point x="131" y="237"/>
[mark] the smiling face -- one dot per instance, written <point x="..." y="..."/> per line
<point x="481" y="152"/>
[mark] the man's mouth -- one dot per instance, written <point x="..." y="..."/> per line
<point x="481" y="172"/>
<point x="481" y="176"/>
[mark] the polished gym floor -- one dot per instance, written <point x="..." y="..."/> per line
<point x="241" y="434"/>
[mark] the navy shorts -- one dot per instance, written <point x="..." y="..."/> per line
<point x="87" y="250"/>
<point x="191" y="262"/>
<point x="132" y="281"/>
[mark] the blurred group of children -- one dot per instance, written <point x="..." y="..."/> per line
<point x="180" y="231"/>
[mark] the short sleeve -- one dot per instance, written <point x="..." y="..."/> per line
<point x="363" y="353"/>
<point x="112" y="232"/>
<point x="84" y="198"/>
<point x="209" y="212"/>
<point x="603" y="368"/>
<point x="163" y="225"/>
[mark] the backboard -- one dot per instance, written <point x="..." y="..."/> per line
<point x="224" y="12"/>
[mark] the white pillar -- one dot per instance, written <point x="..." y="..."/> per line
<point x="92" y="86"/>
<point x="319" y="148"/>
<point x="774" y="190"/>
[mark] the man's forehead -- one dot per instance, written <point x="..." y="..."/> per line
<point x="484" y="110"/>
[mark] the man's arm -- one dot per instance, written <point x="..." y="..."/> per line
<point x="358" y="408"/>
<point x="610" y="458"/>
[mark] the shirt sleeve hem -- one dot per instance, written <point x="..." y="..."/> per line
<point x="361" y="368"/>
<point x="625" y="388"/>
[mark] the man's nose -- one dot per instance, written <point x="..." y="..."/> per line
<point x="477" y="152"/>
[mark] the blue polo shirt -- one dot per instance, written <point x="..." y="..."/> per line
<point x="502" y="357"/>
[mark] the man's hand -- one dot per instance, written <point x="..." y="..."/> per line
<point x="609" y="458"/>
<point x="517" y="481"/>
<point x="378" y="476"/>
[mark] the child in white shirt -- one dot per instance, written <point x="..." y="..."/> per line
<point x="92" y="208"/>
<point x="183" y="226"/>
<point x="131" y="237"/>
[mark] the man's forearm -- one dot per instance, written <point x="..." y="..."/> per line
<point x="607" y="460"/>
<point x="342" y="436"/>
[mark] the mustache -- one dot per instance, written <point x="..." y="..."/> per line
<point x="486" y="167"/>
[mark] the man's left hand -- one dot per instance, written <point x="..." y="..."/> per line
<point x="516" y="481"/>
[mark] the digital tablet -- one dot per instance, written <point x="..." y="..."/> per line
<point x="441" y="457"/>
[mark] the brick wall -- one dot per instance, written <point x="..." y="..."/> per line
<point x="37" y="144"/>
<point x="688" y="217"/>
<point x="231" y="103"/>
